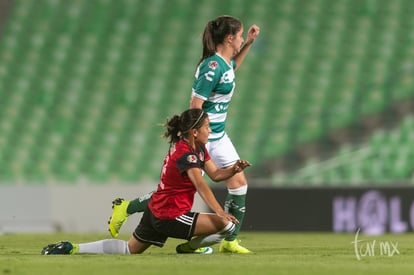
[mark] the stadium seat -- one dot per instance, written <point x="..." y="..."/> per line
<point x="385" y="157"/>
<point x="85" y="84"/>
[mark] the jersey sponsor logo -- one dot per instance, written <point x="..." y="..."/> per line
<point x="221" y="107"/>
<point x="192" y="159"/>
<point x="213" y="65"/>
<point x="209" y="75"/>
<point x="228" y="77"/>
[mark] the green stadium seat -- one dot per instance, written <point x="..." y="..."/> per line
<point x="89" y="81"/>
<point x="385" y="157"/>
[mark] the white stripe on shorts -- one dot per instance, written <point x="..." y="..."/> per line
<point x="185" y="219"/>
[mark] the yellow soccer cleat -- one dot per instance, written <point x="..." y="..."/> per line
<point x="233" y="247"/>
<point x="119" y="216"/>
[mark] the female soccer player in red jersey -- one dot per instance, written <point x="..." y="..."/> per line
<point x="169" y="210"/>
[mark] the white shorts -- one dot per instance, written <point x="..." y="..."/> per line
<point x="222" y="151"/>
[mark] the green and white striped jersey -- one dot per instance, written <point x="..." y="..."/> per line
<point x="214" y="83"/>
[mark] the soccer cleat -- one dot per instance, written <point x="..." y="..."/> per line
<point x="185" y="249"/>
<point x="119" y="216"/>
<point x="60" y="248"/>
<point x="233" y="247"/>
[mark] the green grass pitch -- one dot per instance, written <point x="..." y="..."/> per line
<point x="274" y="253"/>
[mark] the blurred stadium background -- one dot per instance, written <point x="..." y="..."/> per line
<point x="325" y="98"/>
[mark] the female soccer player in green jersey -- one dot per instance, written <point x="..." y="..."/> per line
<point x="224" y="50"/>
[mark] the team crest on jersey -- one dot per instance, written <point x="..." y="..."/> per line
<point x="213" y="65"/>
<point x="192" y="159"/>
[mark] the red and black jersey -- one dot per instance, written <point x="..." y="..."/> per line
<point x="175" y="194"/>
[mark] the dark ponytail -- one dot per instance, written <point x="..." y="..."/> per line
<point x="215" y="32"/>
<point x="209" y="44"/>
<point x="172" y="129"/>
<point x="179" y="126"/>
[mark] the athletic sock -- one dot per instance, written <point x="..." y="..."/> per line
<point x="202" y="241"/>
<point x="139" y="204"/>
<point x="235" y="204"/>
<point x="108" y="246"/>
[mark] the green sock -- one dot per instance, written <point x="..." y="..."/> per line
<point x="75" y="249"/>
<point x="139" y="204"/>
<point x="235" y="205"/>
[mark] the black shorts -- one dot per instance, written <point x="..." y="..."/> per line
<point x="155" y="231"/>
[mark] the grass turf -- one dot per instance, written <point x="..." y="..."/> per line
<point x="275" y="253"/>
